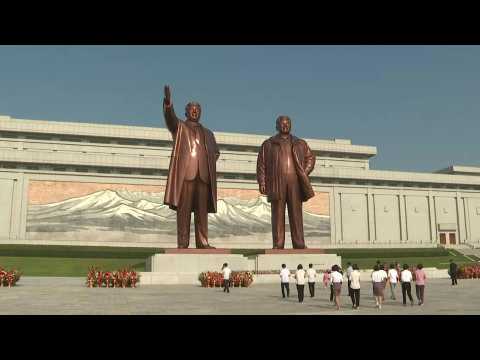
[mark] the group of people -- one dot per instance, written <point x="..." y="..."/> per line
<point x="380" y="277"/>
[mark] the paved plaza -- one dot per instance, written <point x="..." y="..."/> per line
<point x="65" y="296"/>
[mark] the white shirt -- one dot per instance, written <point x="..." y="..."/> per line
<point x="336" y="277"/>
<point x="379" y="276"/>
<point x="300" y="276"/>
<point x="285" y="275"/>
<point x="355" y="279"/>
<point x="406" y="276"/>
<point x="311" y="275"/>
<point x="392" y="275"/>
<point x="226" y="273"/>
<point x="349" y="271"/>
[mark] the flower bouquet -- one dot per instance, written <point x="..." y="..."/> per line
<point x="236" y="279"/>
<point x="126" y="277"/>
<point x="215" y="279"/>
<point x="9" y="278"/>
<point x="99" y="278"/>
<point x="247" y="279"/>
<point x="133" y="278"/>
<point x="108" y="278"/>
<point x="91" y="277"/>
<point x="469" y="272"/>
<point x="3" y="276"/>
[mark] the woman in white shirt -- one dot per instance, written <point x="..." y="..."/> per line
<point x="336" y="279"/>
<point x="300" y="278"/>
<point x="355" y="286"/>
<point x="378" y="279"/>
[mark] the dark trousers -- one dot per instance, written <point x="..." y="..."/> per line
<point x="311" y="288"/>
<point x="454" y="280"/>
<point x="406" y="289"/>
<point x="300" y="289"/>
<point x="355" y="296"/>
<point x="194" y="197"/>
<point x="285" y="285"/>
<point x="226" y="286"/>
<point x="420" y="290"/>
<point x="291" y="196"/>
<point x="349" y="288"/>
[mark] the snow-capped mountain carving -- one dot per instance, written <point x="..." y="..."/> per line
<point x="113" y="210"/>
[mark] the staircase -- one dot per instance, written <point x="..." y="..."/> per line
<point x="468" y="251"/>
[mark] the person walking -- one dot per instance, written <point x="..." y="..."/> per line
<point x="311" y="273"/>
<point x="392" y="279"/>
<point x="379" y="266"/>
<point x="336" y="279"/>
<point x="420" y="278"/>
<point x="285" y="280"/>
<point x="355" y="286"/>
<point x="452" y="271"/>
<point x="300" y="278"/>
<point x="326" y="279"/>
<point x="406" y="280"/>
<point x="226" y="277"/>
<point x="349" y="272"/>
<point x="379" y="276"/>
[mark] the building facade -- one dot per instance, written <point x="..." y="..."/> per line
<point x="92" y="184"/>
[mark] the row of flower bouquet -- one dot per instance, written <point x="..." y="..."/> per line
<point x="469" y="272"/>
<point x="122" y="278"/>
<point x="215" y="279"/>
<point x="9" y="278"/>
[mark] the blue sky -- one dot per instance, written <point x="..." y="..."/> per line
<point x="418" y="104"/>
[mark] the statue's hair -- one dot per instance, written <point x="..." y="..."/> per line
<point x="193" y="103"/>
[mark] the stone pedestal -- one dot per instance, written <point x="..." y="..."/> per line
<point x="275" y="260"/>
<point x="183" y="266"/>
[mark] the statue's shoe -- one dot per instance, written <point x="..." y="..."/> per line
<point x="206" y="247"/>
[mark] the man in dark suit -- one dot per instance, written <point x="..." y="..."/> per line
<point x="452" y="271"/>
<point x="192" y="176"/>
<point x="283" y="165"/>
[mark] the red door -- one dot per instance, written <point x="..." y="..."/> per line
<point x="452" y="239"/>
<point x="443" y="239"/>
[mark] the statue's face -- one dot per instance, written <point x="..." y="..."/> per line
<point x="193" y="112"/>
<point x="284" y="126"/>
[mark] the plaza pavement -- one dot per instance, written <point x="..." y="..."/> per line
<point x="69" y="296"/>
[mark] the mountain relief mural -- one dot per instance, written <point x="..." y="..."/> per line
<point x="112" y="211"/>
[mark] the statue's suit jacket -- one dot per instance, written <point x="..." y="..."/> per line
<point x="268" y="167"/>
<point x="179" y="161"/>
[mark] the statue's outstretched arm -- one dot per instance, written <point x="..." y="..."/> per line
<point x="171" y="119"/>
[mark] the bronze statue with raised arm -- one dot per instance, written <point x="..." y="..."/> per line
<point x="283" y="165"/>
<point x="192" y="175"/>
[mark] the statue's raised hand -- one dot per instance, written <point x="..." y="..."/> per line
<point x="167" y="95"/>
